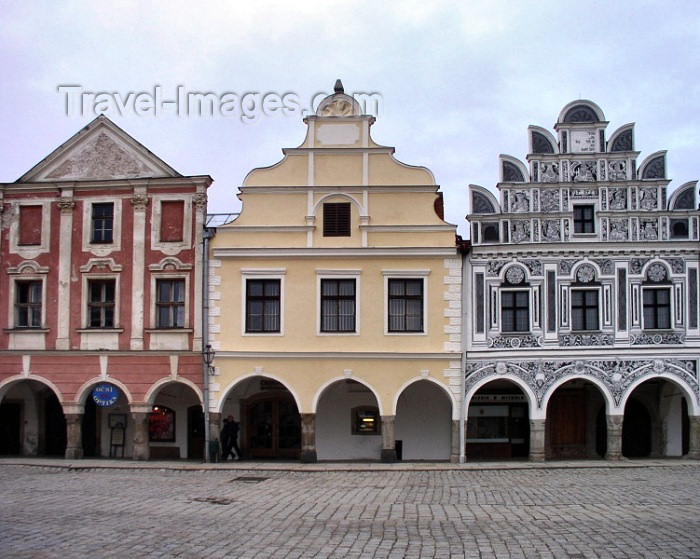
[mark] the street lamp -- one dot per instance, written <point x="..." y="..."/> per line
<point x="208" y="354"/>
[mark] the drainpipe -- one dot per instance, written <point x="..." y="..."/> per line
<point x="207" y="234"/>
<point x="463" y="380"/>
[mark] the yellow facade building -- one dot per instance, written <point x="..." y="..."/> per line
<point x="335" y="307"/>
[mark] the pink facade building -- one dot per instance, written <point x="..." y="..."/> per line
<point x="100" y="303"/>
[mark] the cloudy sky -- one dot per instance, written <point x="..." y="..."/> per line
<point x="459" y="81"/>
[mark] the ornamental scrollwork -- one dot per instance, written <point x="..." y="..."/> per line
<point x="677" y="265"/>
<point x="656" y="272"/>
<point x="139" y="201"/>
<point x="515" y="275"/>
<point x="585" y="273"/>
<point x="616" y="375"/>
<point x="658" y="339"/>
<point x="494" y="267"/>
<point x="514" y="342"/>
<point x="577" y="340"/>
<point x="636" y="265"/>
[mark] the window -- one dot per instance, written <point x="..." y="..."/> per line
<point x="657" y="308"/>
<point x="584" y="309"/>
<point x="365" y="421"/>
<point x="262" y="305"/>
<point x="102" y="222"/>
<point x="172" y="214"/>
<point x="336" y="219"/>
<point x="30" y="225"/>
<point x="515" y="311"/>
<point x="679" y="228"/>
<point x="170" y="303"/>
<point x="101" y="303"/>
<point x="583" y="219"/>
<point x="161" y="425"/>
<point x="337" y="305"/>
<point x="405" y="305"/>
<point x="28" y="304"/>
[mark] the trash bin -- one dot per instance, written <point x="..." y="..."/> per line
<point x="213" y="451"/>
<point x="398" y="446"/>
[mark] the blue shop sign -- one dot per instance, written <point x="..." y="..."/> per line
<point x="105" y="395"/>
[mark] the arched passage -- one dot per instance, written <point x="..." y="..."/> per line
<point x="107" y="429"/>
<point x="348" y="422"/>
<point x="575" y="427"/>
<point x="176" y="423"/>
<point x="656" y="422"/>
<point x="270" y="424"/>
<point x="498" y="426"/>
<point x="423" y="423"/>
<point x="31" y="420"/>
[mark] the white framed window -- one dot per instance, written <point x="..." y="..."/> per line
<point x="171" y="223"/>
<point x="101" y="302"/>
<point x="338" y="307"/>
<point x="102" y="220"/>
<point x="585" y="309"/>
<point x="262" y="302"/>
<point x="405" y="302"/>
<point x="656" y="304"/>
<point x="170" y="301"/>
<point x="30" y="229"/>
<point x="515" y="310"/>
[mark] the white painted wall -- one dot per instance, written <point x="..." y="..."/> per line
<point x="334" y="438"/>
<point x="424" y="422"/>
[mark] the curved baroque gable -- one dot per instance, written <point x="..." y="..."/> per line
<point x="655" y="169"/>
<point x="481" y="204"/>
<point x="511" y="173"/>
<point x="540" y="144"/>
<point x="623" y="142"/>
<point x="580" y="113"/>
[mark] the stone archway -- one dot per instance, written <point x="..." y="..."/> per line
<point x="574" y="426"/>
<point x="348" y="423"/>
<point x="423" y="423"/>
<point x="656" y="422"/>
<point x="498" y="426"/>
<point x="270" y="423"/>
<point x="32" y="422"/>
<point x="176" y="423"/>
<point x="106" y="427"/>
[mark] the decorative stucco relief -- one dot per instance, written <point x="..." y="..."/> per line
<point x="617" y="375"/>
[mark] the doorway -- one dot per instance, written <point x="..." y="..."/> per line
<point x="273" y="427"/>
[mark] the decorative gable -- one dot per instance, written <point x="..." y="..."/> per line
<point x="99" y="151"/>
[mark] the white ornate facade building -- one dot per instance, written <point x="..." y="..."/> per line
<point x="582" y="333"/>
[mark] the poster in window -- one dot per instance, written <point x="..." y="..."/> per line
<point x="162" y="424"/>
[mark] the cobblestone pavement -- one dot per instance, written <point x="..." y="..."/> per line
<point x="575" y="512"/>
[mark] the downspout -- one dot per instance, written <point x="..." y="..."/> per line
<point x="463" y="380"/>
<point x="207" y="234"/>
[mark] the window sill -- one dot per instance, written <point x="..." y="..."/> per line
<point x="29" y="330"/>
<point x="168" y="330"/>
<point x="100" y="330"/>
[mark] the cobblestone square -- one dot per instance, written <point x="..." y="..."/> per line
<point x="530" y="512"/>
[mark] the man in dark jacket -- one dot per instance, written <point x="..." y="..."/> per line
<point x="229" y="439"/>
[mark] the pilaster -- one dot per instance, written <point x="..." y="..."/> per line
<point x="454" y="454"/>
<point x="74" y="436"/>
<point x="694" y="438"/>
<point x="66" y="206"/>
<point x="139" y="201"/>
<point x="537" y="439"/>
<point x="308" y="438"/>
<point x="141" y="450"/>
<point x="388" y="439"/>
<point x="614" y="425"/>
